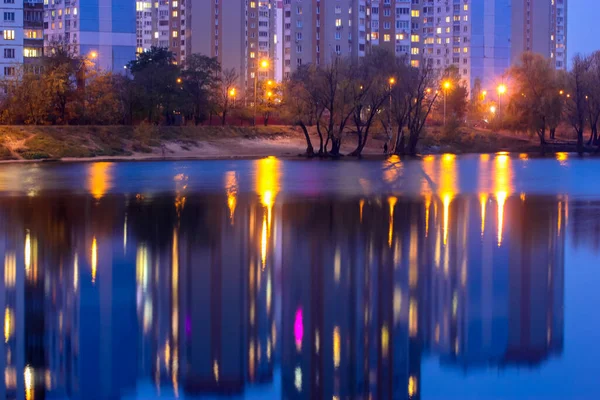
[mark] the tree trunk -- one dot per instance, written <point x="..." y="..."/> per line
<point x="553" y="133"/>
<point x="413" y="139"/>
<point x="542" y="135"/>
<point x="580" y="140"/>
<point x="336" y="144"/>
<point x="309" y="147"/>
<point x="320" y="138"/>
<point x="399" y="147"/>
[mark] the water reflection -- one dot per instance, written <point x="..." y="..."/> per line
<point x="176" y="296"/>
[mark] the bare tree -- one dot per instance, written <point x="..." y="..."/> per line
<point x="225" y="99"/>
<point x="576" y="105"/>
<point x="420" y="80"/>
<point x="371" y="88"/>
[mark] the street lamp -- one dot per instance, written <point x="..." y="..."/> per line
<point x="232" y="95"/>
<point x="501" y="90"/>
<point x="264" y="64"/>
<point x="179" y="80"/>
<point x="391" y="81"/>
<point x="93" y="54"/>
<point x="445" y="85"/>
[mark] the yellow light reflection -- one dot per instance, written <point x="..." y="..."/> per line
<point x="216" y="370"/>
<point x="75" y="272"/>
<point x="10" y="269"/>
<point x="337" y="347"/>
<point x="524" y="156"/>
<point x="385" y="341"/>
<point x="268" y="175"/>
<point x="562" y="157"/>
<point x="501" y="199"/>
<point x="8" y="324"/>
<point x="337" y="265"/>
<point x="392" y="203"/>
<point x="503" y="188"/>
<point x="94" y="259"/>
<point x="483" y="198"/>
<point x="413" y="318"/>
<point x="397" y="304"/>
<point x="446" y="200"/>
<point x="231" y="187"/>
<point x="99" y="179"/>
<point x="412" y="386"/>
<point x="263" y="242"/>
<point x="27" y="253"/>
<point x="361" y="206"/>
<point x="559" y="222"/>
<point x="29" y="382"/>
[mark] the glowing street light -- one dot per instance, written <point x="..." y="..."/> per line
<point x="561" y="92"/>
<point x="179" y="80"/>
<point x="501" y="90"/>
<point x="269" y="83"/>
<point x="446" y="85"/>
<point x="232" y="92"/>
<point x="93" y="54"/>
<point x="493" y="109"/>
<point x="392" y="80"/>
<point x="263" y="64"/>
<point x="269" y="94"/>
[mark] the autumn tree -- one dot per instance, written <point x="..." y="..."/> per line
<point x="536" y="93"/>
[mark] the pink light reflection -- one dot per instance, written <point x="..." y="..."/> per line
<point x="298" y="328"/>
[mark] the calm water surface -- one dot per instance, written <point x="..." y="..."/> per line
<point x="471" y="277"/>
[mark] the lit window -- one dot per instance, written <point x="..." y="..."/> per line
<point x="465" y="50"/>
<point x="414" y="38"/>
<point x="9" y="34"/>
<point x="414" y="13"/>
<point x="414" y="50"/>
<point x="466" y="7"/>
<point x="252" y="4"/>
<point x="338" y="22"/>
<point x="399" y="36"/>
<point x="175" y="34"/>
<point x="386" y="37"/>
<point x="414" y="63"/>
<point x="252" y="55"/>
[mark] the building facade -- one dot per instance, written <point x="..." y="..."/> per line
<point x="11" y="39"/>
<point x="162" y="24"/>
<point x="480" y="38"/>
<point x="101" y="30"/>
<point x="240" y="35"/>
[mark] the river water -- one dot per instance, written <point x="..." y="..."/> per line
<point x="473" y="277"/>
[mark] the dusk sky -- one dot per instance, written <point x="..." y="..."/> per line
<point x="583" y="26"/>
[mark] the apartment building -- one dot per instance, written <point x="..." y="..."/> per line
<point x="162" y="24"/>
<point x="481" y="38"/>
<point x="102" y="30"/>
<point x="11" y="39"/>
<point x="540" y="27"/>
<point x="33" y="32"/>
<point x="241" y="35"/>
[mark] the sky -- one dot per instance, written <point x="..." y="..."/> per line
<point x="583" y="27"/>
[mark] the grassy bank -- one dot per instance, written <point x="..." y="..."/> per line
<point x="146" y="141"/>
<point x="55" y="142"/>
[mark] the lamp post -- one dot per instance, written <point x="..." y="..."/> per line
<point x="391" y="81"/>
<point x="232" y="95"/>
<point x="446" y="85"/>
<point x="501" y="91"/>
<point x="264" y="64"/>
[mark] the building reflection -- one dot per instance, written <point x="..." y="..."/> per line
<point x="106" y="296"/>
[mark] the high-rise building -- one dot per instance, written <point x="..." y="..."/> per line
<point x="480" y="38"/>
<point x="540" y="27"/>
<point x="11" y="41"/>
<point x="241" y="36"/>
<point x="101" y="30"/>
<point x="161" y="24"/>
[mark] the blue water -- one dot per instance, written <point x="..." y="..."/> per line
<point x="450" y="277"/>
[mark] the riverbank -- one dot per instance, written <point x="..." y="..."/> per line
<point x="68" y="143"/>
